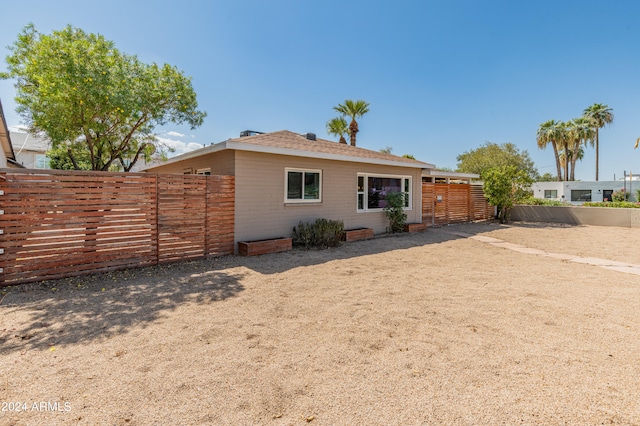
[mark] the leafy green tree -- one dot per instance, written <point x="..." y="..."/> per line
<point x="551" y="132"/>
<point x="72" y="156"/>
<point x="389" y="150"/>
<point x="77" y="87"/>
<point x="504" y="187"/>
<point x="600" y="115"/>
<point x="353" y="109"/>
<point x="338" y="127"/>
<point x="493" y="155"/>
<point x="547" y="177"/>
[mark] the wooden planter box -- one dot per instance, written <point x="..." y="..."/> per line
<point x="273" y="245"/>
<point x="357" y="234"/>
<point x="415" y="227"/>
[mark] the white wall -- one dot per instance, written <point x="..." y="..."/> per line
<point x="597" y="189"/>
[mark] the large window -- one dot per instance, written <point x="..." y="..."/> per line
<point x="581" y="195"/>
<point x="372" y="190"/>
<point x="303" y="186"/>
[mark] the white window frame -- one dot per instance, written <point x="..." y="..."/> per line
<point x="404" y="179"/>
<point x="288" y="200"/>
<point x="206" y="171"/>
<point x="41" y="159"/>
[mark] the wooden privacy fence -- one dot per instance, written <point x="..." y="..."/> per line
<point x="57" y="224"/>
<point x="444" y="203"/>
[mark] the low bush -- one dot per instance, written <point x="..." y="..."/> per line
<point x="322" y="233"/>
<point x="543" y="202"/>
<point x="618" y="204"/>
<point x="620" y="196"/>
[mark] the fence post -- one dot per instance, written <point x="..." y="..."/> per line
<point x="206" y="215"/>
<point x="2" y="230"/>
<point x="157" y="230"/>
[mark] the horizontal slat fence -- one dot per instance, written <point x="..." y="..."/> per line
<point x="58" y="224"/>
<point x="481" y="209"/>
<point x="458" y="203"/>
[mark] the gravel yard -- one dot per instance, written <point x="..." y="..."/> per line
<point x="429" y="328"/>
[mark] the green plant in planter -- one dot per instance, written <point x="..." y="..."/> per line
<point x="322" y="233"/>
<point x="394" y="211"/>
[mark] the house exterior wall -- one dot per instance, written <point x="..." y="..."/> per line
<point x="221" y="163"/>
<point x="28" y="158"/>
<point x="563" y="189"/>
<point x="3" y="159"/>
<point x="261" y="211"/>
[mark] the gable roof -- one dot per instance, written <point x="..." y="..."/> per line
<point x="284" y="142"/>
<point x="24" y="141"/>
<point x="5" y="138"/>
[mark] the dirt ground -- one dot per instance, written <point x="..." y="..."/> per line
<point x="429" y="328"/>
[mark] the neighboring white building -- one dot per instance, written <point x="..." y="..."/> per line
<point x="31" y="150"/>
<point x="578" y="192"/>
<point x="7" y="156"/>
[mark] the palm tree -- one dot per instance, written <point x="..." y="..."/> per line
<point x="561" y="133"/>
<point x="338" y="127"/>
<point x="579" y="133"/>
<point x="549" y="133"/>
<point x="600" y="115"/>
<point x="353" y="109"/>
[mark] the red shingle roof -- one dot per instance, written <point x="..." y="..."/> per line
<point x="284" y="142"/>
<point x="287" y="140"/>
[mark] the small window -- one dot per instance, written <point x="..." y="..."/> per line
<point x="360" y="192"/>
<point x="206" y="171"/>
<point x="550" y="193"/>
<point x="303" y="186"/>
<point x="581" y="195"/>
<point x="42" y="161"/>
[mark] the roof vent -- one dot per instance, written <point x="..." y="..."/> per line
<point x="245" y="133"/>
<point x="311" y="136"/>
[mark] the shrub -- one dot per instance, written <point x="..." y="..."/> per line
<point x="620" y="195"/>
<point x="394" y="211"/>
<point x="617" y="204"/>
<point x="322" y="233"/>
<point x="543" y="202"/>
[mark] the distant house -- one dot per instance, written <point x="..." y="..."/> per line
<point x="282" y="178"/>
<point x="578" y="192"/>
<point x="7" y="155"/>
<point x="31" y="150"/>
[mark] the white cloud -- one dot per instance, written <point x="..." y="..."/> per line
<point x="175" y="134"/>
<point x="178" y="146"/>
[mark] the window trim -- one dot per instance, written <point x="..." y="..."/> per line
<point x="288" y="200"/>
<point x="41" y="159"/>
<point x="404" y="179"/>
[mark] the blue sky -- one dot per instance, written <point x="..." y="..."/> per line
<point x="442" y="77"/>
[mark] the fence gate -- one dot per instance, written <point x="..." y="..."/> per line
<point x="444" y="203"/>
